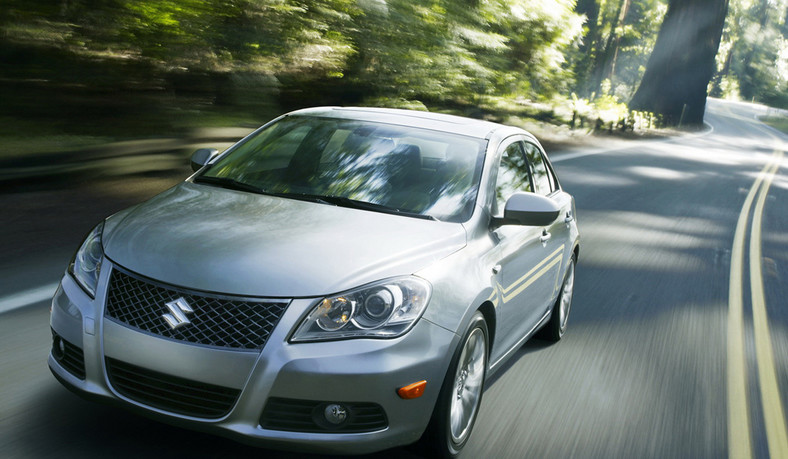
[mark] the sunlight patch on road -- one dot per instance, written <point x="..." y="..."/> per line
<point x="599" y="179"/>
<point x="781" y="181"/>
<point x="660" y="173"/>
<point x="662" y="243"/>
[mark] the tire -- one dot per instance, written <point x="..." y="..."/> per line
<point x="461" y="394"/>
<point x="556" y="327"/>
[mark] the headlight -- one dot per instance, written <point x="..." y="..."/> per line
<point x="385" y="309"/>
<point x="86" y="264"/>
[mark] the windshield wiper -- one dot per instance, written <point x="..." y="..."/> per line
<point x="364" y="205"/>
<point x="230" y="184"/>
<point x="341" y="201"/>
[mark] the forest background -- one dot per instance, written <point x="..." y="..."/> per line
<point x="77" y="73"/>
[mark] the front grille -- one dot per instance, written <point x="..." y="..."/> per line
<point x="170" y="393"/>
<point x="217" y="321"/>
<point x="68" y="355"/>
<point x="307" y="416"/>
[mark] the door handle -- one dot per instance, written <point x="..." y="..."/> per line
<point x="569" y="218"/>
<point x="545" y="237"/>
<point x="496" y="269"/>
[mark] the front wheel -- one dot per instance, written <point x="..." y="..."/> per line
<point x="555" y="329"/>
<point x="461" y="394"/>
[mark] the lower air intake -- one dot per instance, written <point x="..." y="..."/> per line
<point x="170" y="393"/>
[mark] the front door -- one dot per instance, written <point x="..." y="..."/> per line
<point x="530" y="259"/>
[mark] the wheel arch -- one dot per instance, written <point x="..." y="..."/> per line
<point x="488" y="312"/>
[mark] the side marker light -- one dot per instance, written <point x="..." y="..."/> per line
<point x="411" y="391"/>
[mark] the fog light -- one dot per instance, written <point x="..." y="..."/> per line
<point x="58" y="348"/>
<point x="335" y="414"/>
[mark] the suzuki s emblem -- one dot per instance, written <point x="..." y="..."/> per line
<point x="178" y="310"/>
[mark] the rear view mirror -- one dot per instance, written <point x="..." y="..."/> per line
<point x="528" y="209"/>
<point x="202" y="157"/>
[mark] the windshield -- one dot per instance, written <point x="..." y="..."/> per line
<point x="398" y="169"/>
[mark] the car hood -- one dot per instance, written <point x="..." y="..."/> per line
<point x="218" y="240"/>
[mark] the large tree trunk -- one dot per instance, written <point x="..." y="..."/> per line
<point x="683" y="61"/>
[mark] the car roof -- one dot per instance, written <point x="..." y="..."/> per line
<point x="412" y="118"/>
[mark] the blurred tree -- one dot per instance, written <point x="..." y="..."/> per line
<point x="441" y="50"/>
<point x="306" y="51"/>
<point x="587" y="49"/>
<point x="540" y="33"/>
<point x="753" y="63"/>
<point x="637" y="41"/>
<point x="605" y="63"/>
<point x="619" y="36"/>
<point x="683" y="62"/>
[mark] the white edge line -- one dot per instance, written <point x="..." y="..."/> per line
<point x="27" y="297"/>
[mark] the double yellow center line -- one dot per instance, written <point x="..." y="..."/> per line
<point x="739" y="442"/>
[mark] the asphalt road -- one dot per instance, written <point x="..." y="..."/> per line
<point x="670" y="352"/>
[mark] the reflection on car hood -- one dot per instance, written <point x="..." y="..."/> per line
<point x="218" y="240"/>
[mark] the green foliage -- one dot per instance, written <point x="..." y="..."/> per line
<point x="408" y="53"/>
<point x="617" y="41"/>
<point x="753" y="59"/>
<point x="777" y="122"/>
<point x="604" y="109"/>
<point x="434" y="50"/>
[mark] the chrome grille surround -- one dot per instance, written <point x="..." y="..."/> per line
<point x="217" y="321"/>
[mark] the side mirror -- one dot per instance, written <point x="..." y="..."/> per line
<point x="202" y="157"/>
<point x="528" y="209"/>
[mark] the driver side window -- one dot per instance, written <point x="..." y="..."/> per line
<point x="542" y="178"/>
<point x="513" y="176"/>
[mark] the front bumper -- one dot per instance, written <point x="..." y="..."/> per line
<point x="300" y="379"/>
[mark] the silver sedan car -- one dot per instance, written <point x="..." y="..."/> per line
<point x="341" y="280"/>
